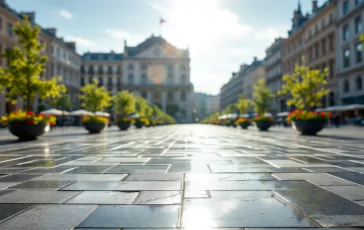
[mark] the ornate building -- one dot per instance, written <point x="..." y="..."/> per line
<point x="154" y="69"/>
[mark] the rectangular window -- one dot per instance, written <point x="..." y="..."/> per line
<point x="316" y="50"/>
<point x="346" y="58"/>
<point x="345" y="7"/>
<point x="359" y="53"/>
<point x="1" y="23"/>
<point x="310" y="54"/>
<point x="323" y="46"/>
<point x="331" y="68"/>
<point x="346" y="32"/>
<point x="10" y="30"/>
<point x="331" y="40"/>
<point x="358" y="28"/>
<point x="357" y="2"/>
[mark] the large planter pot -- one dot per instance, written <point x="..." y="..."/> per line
<point x="139" y="125"/>
<point x="308" y="127"/>
<point x="28" y="131"/>
<point x="263" y="125"/>
<point x="124" y="125"/>
<point x="94" y="127"/>
<point x="244" y="125"/>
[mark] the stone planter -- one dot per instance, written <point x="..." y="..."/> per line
<point x="308" y="127"/>
<point x="263" y="125"/>
<point x="94" y="127"/>
<point x="244" y="125"/>
<point x="124" y="125"/>
<point x="139" y="125"/>
<point x="28" y="131"/>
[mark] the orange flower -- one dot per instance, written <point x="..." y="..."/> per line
<point x="30" y="113"/>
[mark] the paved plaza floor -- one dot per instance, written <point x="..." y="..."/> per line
<point x="196" y="177"/>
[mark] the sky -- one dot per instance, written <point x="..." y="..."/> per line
<point x="220" y="34"/>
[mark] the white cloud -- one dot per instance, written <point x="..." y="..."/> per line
<point x="120" y="35"/>
<point x="157" y="7"/>
<point x="81" y="42"/>
<point x="66" y="14"/>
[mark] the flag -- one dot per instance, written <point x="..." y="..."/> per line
<point x="161" y="21"/>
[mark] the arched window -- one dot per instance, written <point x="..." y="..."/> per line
<point x="346" y="86"/>
<point x="131" y="79"/>
<point x="359" y="83"/>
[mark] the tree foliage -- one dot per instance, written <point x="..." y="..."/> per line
<point x="124" y="103"/>
<point x="230" y="109"/>
<point x="26" y="63"/>
<point x="263" y="97"/>
<point x="63" y="102"/>
<point x="95" y="98"/>
<point x="243" y="104"/>
<point x="305" y="87"/>
<point x="141" y="106"/>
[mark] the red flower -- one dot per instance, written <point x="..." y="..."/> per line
<point x="15" y="113"/>
<point x="298" y="117"/>
<point x="299" y="111"/>
<point x="51" y="123"/>
<point x="30" y="113"/>
<point x="330" y="115"/>
<point x="49" y="116"/>
<point x="42" y="114"/>
<point x="313" y="113"/>
<point x="29" y="121"/>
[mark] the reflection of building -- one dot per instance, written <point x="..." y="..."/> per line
<point x="154" y="69"/>
<point x="273" y="71"/>
<point x="62" y="57"/>
<point x="349" y="54"/>
<point x="213" y="104"/>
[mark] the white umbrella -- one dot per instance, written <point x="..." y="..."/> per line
<point x="282" y="114"/>
<point x="99" y="113"/>
<point x="135" y="116"/>
<point x="55" y="112"/>
<point x="354" y="107"/>
<point x="80" y="112"/>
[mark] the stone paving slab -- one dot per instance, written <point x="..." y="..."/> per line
<point x="183" y="177"/>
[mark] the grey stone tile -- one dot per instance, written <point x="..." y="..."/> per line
<point x="42" y="184"/>
<point x="91" y="186"/>
<point x="19" y="177"/>
<point x="106" y="197"/>
<point x="248" y="185"/>
<point x="59" y="169"/>
<point x="228" y="177"/>
<point x="12" y="170"/>
<point x="321" y="202"/>
<point x="133" y="216"/>
<point x="36" y="197"/>
<point x="240" y="169"/>
<point x="349" y="192"/>
<point x="88" y="170"/>
<point x="45" y="217"/>
<point x="326" y="169"/>
<point x="241" y="194"/>
<point x="138" y="169"/>
<point x="189" y="167"/>
<point x="339" y="220"/>
<point x="316" y="178"/>
<point x="159" y="197"/>
<point x="9" y="210"/>
<point x="234" y="213"/>
<point x="196" y="194"/>
<point x="155" y="177"/>
<point x="350" y="176"/>
<point x="149" y="185"/>
<point x="82" y="177"/>
<point x="4" y="185"/>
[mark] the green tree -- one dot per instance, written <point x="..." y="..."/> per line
<point x="124" y="103"/>
<point x="95" y="98"/>
<point x="263" y="97"/>
<point x="141" y="106"/>
<point x="243" y="104"/>
<point x="230" y="109"/>
<point x="362" y="39"/>
<point x="305" y="87"/>
<point x="26" y="64"/>
<point x="63" y="102"/>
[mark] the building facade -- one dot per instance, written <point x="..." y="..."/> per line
<point x="68" y="65"/>
<point x="319" y="40"/>
<point x="273" y="74"/>
<point x="213" y="104"/>
<point x="349" y="51"/>
<point x="252" y="74"/>
<point x="155" y="70"/>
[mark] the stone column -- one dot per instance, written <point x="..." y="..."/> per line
<point x="164" y="101"/>
<point x="149" y="96"/>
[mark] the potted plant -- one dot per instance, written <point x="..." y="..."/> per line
<point x="306" y="87"/>
<point x="141" y="107"/>
<point x="94" y="99"/>
<point x="243" y="106"/>
<point x="263" y="99"/>
<point x="140" y="122"/>
<point x="124" y="106"/>
<point x="21" y="81"/>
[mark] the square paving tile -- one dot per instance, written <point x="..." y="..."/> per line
<point x="4" y="185"/>
<point x="19" y="177"/>
<point x="234" y="213"/>
<point x="45" y="217"/>
<point x="9" y="210"/>
<point x="321" y="202"/>
<point x="340" y="220"/>
<point x="316" y="178"/>
<point x="59" y="169"/>
<point x="98" y="197"/>
<point x="350" y="176"/>
<point x="240" y="169"/>
<point x="349" y="192"/>
<point x="159" y="197"/>
<point x="36" y="197"/>
<point x="197" y="194"/>
<point x="133" y="216"/>
<point x="155" y="177"/>
<point x="138" y="169"/>
<point x="241" y="194"/>
<point x="89" y="169"/>
<point x="149" y="185"/>
<point x="91" y="186"/>
<point x="228" y="177"/>
<point x="248" y="185"/>
<point x="42" y="184"/>
<point x="82" y="177"/>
